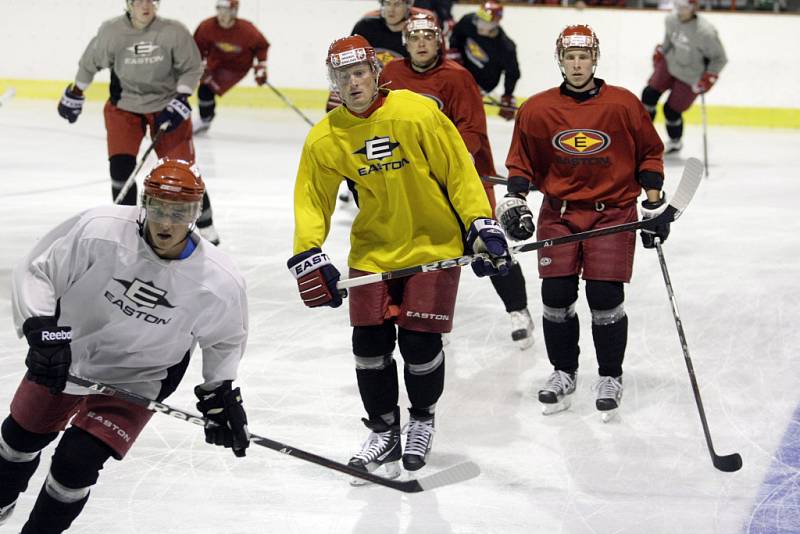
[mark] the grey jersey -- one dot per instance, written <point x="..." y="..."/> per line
<point x="148" y="67"/>
<point x="687" y="47"/>
<point x="134" y="315"/>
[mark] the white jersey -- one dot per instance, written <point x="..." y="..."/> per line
<point x="133" y="315"/>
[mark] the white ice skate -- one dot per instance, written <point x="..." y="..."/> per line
<point x="522" y="328"/>
<point x="419" y="439"/>
<point x="201" y="126"/>
<point x="555" y="395"/>
<point x="673" y="146"/>
<point x="609" y="395"/>
<point x="6" y="511"/>
<point x="382" y="448"/>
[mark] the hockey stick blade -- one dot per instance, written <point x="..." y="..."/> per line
<point x="451" y="475"/>
<point x="728" y="463"/>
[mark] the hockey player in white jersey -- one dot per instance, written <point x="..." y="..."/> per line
<point x="155" y="66"/>
<point x="121" y="295"/>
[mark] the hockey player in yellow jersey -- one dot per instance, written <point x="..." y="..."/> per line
<point x="420" y="200"/>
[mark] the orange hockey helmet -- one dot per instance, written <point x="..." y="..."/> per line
<point x="173" y="191"/>
<point x="490" y="11"/>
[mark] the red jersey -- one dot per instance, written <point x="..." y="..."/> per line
<point x="454" y="90"/>
<point x="585" y="151"/>
<point x="233" y="48"/>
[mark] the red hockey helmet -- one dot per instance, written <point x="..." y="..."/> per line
<point x="577" y="36"/>
<point x="349" y="51"/>
<point x="174" y="180"/>
<point x="490" y="11"/>
<point x="421" y="22"/>
<point x="233" y="5"/>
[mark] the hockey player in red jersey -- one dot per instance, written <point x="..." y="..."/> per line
<point x="121" y="295"/>
<point x="426" y="71"/>
<point x="230" y="47"/>
<point x="591" y="149"/>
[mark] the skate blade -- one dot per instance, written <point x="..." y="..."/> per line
<point x="550" y="409"/>
<point x="609" y="415"/>
<point x="391" y="471"/>
<point x="523" y="343"/>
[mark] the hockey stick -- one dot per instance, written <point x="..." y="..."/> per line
<point x="705" y="128"/>
<point x="727" y="463"/>
<point x="132" y="178"/>
<point x="492" y="101"/>
<point x="692" y="174"/>
<point x="6" y="97"/>
<point x="451" y="475"/>
<point x="289" y="103"/>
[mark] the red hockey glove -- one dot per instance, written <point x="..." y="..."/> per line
<point x="658" y="56"/>
<point x="261" y="73"/>
<point x="707" y="80"/>
<point x="316" y="278"/>
<point x="508" y="107"/>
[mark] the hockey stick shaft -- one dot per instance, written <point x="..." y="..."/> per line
<point x="692" y="174"/>
<point x="705" y="131"/>
<point x="132" y="178"/>
<point x="7" y="95"/>
<point x="492" y="101"/>
<point x="451" y="475"/>
<point x="731" y="462"/>
<point x="289" y="103"/>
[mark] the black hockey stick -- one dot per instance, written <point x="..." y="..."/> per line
<point x="289" y="103"/>
<point x="692" y="174"/>
<point x="451" y="475"/>
<point x="727" y="463"/>
<point x="492" y="101"/>
<point x="132" y="178"/>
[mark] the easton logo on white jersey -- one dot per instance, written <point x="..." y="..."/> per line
<point x="145" y="293"/>
<point x="377" y="148"/>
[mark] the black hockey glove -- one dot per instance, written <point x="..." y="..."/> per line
<point x="516" y="217"/>
<point x="316" y="278"/>
<point x="49" y="355"/>
<point x="71" y="103"/>
<point x="486" y="235"/>
<point x="224" y="407"/>
<point x="177" y="111"/>
<point x="661" y="231"/>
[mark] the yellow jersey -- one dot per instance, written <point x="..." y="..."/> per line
<point x="416" y="183"/>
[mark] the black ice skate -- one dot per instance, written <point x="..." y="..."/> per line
<point x="419" y="438"/>
<point x="609" y="395"/>
<point x="554" y="396"/>
<point x="6" y="511"/>
<point x="521" y="328"/>
<point x="382" y="448"/>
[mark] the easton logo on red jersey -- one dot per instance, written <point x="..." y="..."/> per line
<point x="582" y="141"/>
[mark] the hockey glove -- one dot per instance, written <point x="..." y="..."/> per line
<point x="516" y="217"/>
<point x="508" y="107"/>
<point x="49" y="355"/>
<point x="260" y="71"/>
<point x="661" y="231"/>
<point x="705" y="82"/>
<point x="71" y="103"/>
<point x="316" y="278"/>
<point x="486" y="235"/>
<point x="177" y="111"/>
<point x="224" y="407"/>
<point x="658" y="56"/>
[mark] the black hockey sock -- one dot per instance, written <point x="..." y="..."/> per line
<point x="21" y="445"/>
<point x="424" y="367"/>
<point x="649" y="99"/>
<point x="120" y="167"/>
<point x="609" y="344"/>
<point x="15" y="477"/>
<point x="424" y="390"/>
<point x="674" y="120"/>
<point x="206" y="102"/>
<point x="378" y="389"/>
<point x="50" y="516"/>
<point x="511" y="289"/>
<point x="206" y="218"/>
<point x="561" y="340"/>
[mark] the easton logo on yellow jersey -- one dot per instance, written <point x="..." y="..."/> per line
<point x="582" y="142"/>
<point x="376" y="149"/>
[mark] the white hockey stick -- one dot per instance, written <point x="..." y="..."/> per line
<point x="6" y="97"/>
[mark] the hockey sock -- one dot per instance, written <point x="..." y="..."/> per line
<point x="19" y="458"/>
<point x="674" y="120"/>
<point x="206" y="102"/>
<point x="609" y="325"/>
<point x="424" y="368"/>
<point x="51" y="516"/>
<point x="206" y="218"/>
<point x="120" y="167"/>
<point x="376" y="369"/>
<point x="649" y="99"/>
<point x="511" y="289"/>
<point x="560" y="324"/>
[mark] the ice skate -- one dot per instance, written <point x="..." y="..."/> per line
<point x="673" y="146"/>
<point x="382" y="448"/>
<point x="555" y="395"/>
<point x="6" y="511"/>
<point x="210" y="233"/>
<point x="419" y="438"/>
<point x="609" y="395"/>
<point x="521" y="328"/>
<point x="201" y="126"/>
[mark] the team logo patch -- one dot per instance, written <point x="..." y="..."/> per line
<point x="545" y="261"/>
<point x="385" y="56"/>
<point x="475" y="53"/>
<point x="228" y="48"/>
<point x="143" y="48"/>
<point x="377" y="148"/>
<point x="582" y="141"/>
<point x="145" y="293"/>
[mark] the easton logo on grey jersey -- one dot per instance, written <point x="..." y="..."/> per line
<point x="143" y="295"/>
<point x="143" y="53"/>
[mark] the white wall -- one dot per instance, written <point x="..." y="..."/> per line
<point x="761" y="72"/>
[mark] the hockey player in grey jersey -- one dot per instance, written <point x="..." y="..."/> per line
<point x="686" y="64"/>
<point x="155" y="66"/>
<point x="121" y="295"/>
